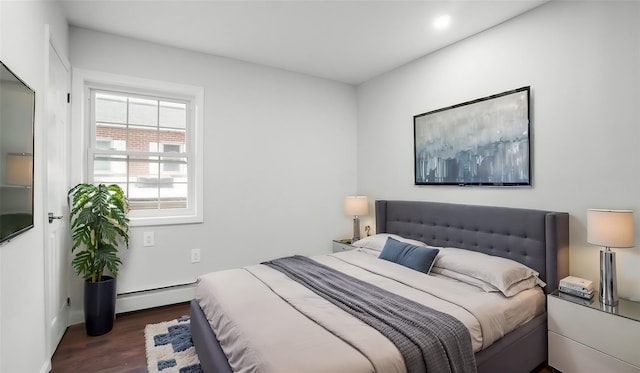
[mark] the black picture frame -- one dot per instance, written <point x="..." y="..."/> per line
<point x="484" y="142"/>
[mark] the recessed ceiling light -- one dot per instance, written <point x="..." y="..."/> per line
<point x="442" y="22"/>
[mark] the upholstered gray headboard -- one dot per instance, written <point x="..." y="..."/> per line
<point x="538" y="239"/>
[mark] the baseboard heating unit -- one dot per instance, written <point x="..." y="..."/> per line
<point x="139" y="300"/>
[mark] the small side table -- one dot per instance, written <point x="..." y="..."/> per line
<point x="585" y="336"/>
<point x="339" y="246"/>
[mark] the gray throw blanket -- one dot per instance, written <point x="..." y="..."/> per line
<point x="429" y="340"/>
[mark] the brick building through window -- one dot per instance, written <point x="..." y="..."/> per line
<point x="141" y="144"/>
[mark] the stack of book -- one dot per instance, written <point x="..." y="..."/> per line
<point x="577" y="286"/>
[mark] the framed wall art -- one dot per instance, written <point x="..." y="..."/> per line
<point x="480" y="142"/>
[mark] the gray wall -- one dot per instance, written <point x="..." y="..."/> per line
<point x="279" y="157"/>
<point x="581" y="60"/>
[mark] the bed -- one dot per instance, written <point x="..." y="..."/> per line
<point x="535" y="238"/>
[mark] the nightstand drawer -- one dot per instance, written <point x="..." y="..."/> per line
<point x="570" y="356"/>
<point x="611" y="334"/>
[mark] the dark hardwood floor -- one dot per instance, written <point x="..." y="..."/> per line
<point x="121" y="350"/>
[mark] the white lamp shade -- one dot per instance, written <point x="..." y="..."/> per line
<point x="19" y="169"/>
<point x="356" y="205"/>
<point x="610" y="228"/>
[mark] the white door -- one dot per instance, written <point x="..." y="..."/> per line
<point x="57" y="237"/>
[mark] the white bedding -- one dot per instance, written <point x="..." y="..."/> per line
<point x="268" y="323"/>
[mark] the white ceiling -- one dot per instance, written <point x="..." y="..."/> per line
<point x="347" y="41"/>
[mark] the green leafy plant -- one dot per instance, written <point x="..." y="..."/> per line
<point x="99" y="224"/>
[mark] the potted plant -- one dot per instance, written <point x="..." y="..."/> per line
<point x="99" y="224"/>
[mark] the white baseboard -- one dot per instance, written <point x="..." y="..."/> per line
<point x="46" y="367"/>
<point x="76" y="316"/>
<point x="144" y="299"/>
<point x="155" y="298"/>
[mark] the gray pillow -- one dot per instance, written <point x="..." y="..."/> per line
<point x="411" y="256"/>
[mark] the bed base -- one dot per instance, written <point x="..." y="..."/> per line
<point x="212" y="358"/>
<point x="539" y="239"/>
<point x="522" y="350"/>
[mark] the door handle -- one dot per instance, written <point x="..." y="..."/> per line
<point x="52" y="217"/>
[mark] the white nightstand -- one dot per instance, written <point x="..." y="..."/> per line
<point x="340" y="246"/>
<point x="585" y="336"/>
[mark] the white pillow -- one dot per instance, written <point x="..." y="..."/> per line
<point x="525" y="284"/>
<point x="508" y="276"/>
<point x="466" y="279"/>
<point x="377" y="241"/>
<point x="512" y="290"/>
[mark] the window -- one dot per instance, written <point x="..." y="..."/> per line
<point x="102" y="165"/>
<point x="147" y="141"/>
<point x="171" y="166"/>
<point x="168" y="166"/>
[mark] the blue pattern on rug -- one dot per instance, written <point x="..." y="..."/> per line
<point x="179" y="336"/>
<point x="164" y="364"/>
<point x="191" y="369"/>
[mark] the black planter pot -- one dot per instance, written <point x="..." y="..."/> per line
<point x="99" y="305"/>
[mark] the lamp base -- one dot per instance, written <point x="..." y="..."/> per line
<point x="356" y="229"/>
<point x="608" y="288"/>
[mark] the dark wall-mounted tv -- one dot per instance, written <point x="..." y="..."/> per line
<point x="17" y="112"/>
<point x="480" y="142"/>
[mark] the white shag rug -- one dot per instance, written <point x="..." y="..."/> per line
<point x="170" y="348"/>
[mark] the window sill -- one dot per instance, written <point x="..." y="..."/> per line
<point x="164" y="220"/>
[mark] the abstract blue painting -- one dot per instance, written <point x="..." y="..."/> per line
<point x="480" y="142"/>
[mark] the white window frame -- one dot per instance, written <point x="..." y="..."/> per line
<point x="84" y="130"/>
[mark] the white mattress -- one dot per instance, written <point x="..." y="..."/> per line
<point x="266" y="322"/>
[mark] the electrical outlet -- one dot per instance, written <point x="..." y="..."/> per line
<point x="148" y="239"/>
<point x="195" y="255"/>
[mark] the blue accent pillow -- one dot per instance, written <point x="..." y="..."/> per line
<point x="411" y="256"/>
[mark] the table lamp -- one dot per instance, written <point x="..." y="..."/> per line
<point x="609" y="228"/>
<point x="356" y="206"/>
